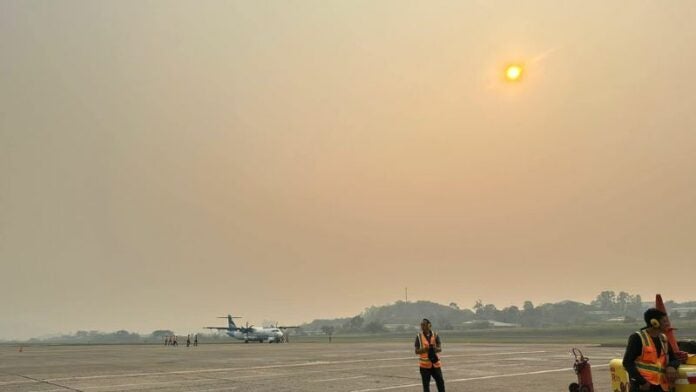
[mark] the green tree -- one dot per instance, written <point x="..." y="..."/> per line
<point x="161" y="333"/>
<point x="530" y="315"/>
<point x="511" y="314"/>
<point x="623" y="300"/>
<point x="606" y="300"/>
<point x="528" y="306"/>
<point x="635" y="308"/>
<point x="490" y="312"/>
<point x="356" y="323"/>
<point x="328" y="330"/>
<point x="478" y="308"/>
<point x="374" y="327"/>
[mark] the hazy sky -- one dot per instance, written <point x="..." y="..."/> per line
<point x="163" y="163"/>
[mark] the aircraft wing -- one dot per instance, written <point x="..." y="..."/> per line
<point x="219" y="328"/>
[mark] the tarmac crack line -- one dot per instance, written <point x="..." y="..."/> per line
<point x="339" y="378"/>
<point x="48" y="382"/>
<point x="216" y="389"/>
<point x="146" y="384"/>
<point x="229" y="379"/>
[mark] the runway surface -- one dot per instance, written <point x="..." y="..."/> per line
<point x="307" y="367"/>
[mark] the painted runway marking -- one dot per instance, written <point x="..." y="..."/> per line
<point x="17" y="382"/>
<point x="213" y="383"/>
<point x="136" y="384"/>
<point x="305" y="372"/>
<point x="338" y="379"/>
<point x="47" y="390"/>
<point x="473" y="379"/>
<point x="291" y="365"/>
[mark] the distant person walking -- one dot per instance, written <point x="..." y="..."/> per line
<point x="188" y="340"/>
<point x="166" y="340"/>
<point x="175" y="342"/>
<point x="195" y="340"/>
<point x="427" y="346"/>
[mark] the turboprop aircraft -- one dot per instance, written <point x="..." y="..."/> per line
<point x="249" y="333"/>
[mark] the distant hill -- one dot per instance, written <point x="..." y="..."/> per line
<point x="401" y="313"/>
<point x="608" y="307"/>
<point x="608" y="312"/>
<point x="413" y="312"/>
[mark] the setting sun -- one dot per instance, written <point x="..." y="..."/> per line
<point x="513" y="73"/>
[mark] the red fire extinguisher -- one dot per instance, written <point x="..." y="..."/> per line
<point x="583" y="371"/>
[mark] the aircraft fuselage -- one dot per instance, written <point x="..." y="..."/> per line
<point x="270" y="335"/>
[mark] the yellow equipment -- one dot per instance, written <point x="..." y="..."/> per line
<point x="685" y="383"/>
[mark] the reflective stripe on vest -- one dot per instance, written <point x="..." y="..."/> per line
<point x="423" y="360"/>
<point x="649" y="365"/>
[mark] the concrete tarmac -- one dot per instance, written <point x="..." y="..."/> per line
<point x="306" y="367"/>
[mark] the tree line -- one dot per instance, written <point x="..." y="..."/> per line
<point x="402" y="315"/>
<point x="118" y="337"/>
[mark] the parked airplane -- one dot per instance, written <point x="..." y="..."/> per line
<point x="249" y="333"/>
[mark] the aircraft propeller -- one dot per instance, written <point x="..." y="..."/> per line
<point x="247" y="329"/>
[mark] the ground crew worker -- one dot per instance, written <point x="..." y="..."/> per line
<point x="427" y="346"/>
<point x="649" y="360"/>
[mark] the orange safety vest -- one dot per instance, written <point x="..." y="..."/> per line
<point x="423" y="360"/>
<point x="649" y="365"/>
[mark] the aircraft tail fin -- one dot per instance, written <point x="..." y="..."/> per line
<point x="230" y="322"/>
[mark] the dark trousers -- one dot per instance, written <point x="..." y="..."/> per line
<point x="653" y="388"/>
<point x="435" y="373"/>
